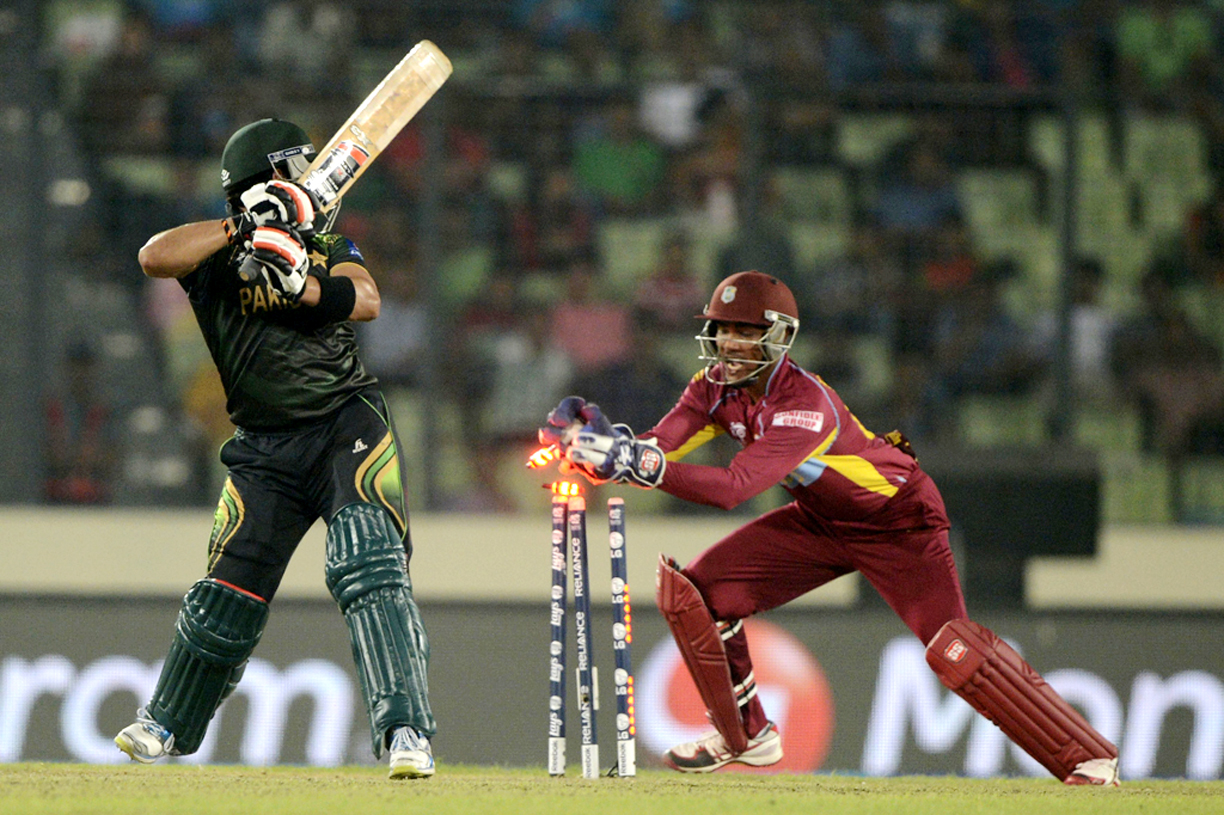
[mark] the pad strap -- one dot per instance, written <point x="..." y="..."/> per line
<point x="974" y="663"/>
<point x="701" y="645"/>
<point x="218" y="628"/>
<point x="367" y="574"/>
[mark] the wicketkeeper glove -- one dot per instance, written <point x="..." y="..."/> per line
<point x="571" y="415"/>
<point x="283" y="259"/>
<point x="618" y="457"/>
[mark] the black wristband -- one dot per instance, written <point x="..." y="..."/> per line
<point x="337" y="296"/>
<point x="238" y="227"/>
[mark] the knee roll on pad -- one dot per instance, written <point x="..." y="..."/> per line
<point x="367" y="574"/>
<point x="218" y="628"/>
<point x="700" y="643"/>
<point x="974" y="663"/>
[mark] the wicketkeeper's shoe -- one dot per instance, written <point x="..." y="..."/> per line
<point x="145" y="740"/>
<point x="710" y="752"/>
<point x="411" y="755"/>
<point x="1097" y="772"/>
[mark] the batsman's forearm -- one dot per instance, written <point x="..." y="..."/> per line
<point x="178" y="251"/>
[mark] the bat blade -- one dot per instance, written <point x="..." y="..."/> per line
<point x="378" y="119"/>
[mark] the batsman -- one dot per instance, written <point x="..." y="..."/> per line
<point x="861" y="503"/>
<point x="314" y="439"/>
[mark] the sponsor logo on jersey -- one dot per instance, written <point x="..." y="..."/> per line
<point x="807" y="419"/>
<point x="359" y="446"/>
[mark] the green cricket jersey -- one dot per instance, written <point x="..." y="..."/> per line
<point x="279" y="367"/>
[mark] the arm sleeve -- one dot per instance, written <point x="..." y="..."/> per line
<point x="686" y="426"/>
<point x="754" y="469"/>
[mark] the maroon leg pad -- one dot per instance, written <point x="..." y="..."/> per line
<point x="973" y="662"/>
<point x="699" y="642"/>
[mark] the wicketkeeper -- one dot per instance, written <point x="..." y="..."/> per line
<point x="861" y="503"/>
<point x="314" y="440"/>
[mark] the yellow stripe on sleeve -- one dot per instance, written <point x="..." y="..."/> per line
<point x="694" y="441"/>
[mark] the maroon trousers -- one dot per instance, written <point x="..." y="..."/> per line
<point x="902" y="550"/>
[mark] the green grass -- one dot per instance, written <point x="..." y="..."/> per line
<point x="64" y="789"/>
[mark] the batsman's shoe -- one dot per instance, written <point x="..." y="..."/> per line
<point x="1097" y="772"/>
<point x="145" y="740"/>
<point x="411" y="755"/>
<point x="710" y="752"/>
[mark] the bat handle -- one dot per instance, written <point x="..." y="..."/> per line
<point x="248" y="270"/>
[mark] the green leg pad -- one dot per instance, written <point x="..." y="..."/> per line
<point x="367" y="573"/>
<point x="218" y="628"/>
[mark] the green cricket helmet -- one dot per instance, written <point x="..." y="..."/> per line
<point x="264" y="149"/>
<point x="254" y="152"/>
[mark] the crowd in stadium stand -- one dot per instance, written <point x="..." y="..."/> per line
<point x="899" y="163"/>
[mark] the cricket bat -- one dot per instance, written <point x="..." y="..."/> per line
<point x="373" y="125"/>
<point x="377" y="120"/>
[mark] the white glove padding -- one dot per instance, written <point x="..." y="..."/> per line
<point x="619" y="457"/>
<point x="279" y="201"/>
<point x="282" y="257"/>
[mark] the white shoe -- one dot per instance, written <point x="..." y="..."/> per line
<point x="710" y="752"/>
<point x="411" y="755"/>
<point x="145" y="740"/>
<point x="1097" y="772"/>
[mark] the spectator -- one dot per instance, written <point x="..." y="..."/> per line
<point x="1164" y="50"/>
<point x="619" y="167"/>
<point x="552" y="23"/>
<point x="125" y="105"/>
<point x="394" y="345"/>
<point x="782" y="45"/>
<point x="980" y="348"/>
<point x="1203" y="241"/>
<point x="679" y="81"/>
<point x="638" y="389"/>
<point x="1173" y="373"/>
<point x="860" y="50"/>
<point x="803" y="130"/>
<point x="854" y="294"/>
<point x="913" y="202"/>
<point x="592" y="331"/>
<point x="530" y="372"/>
<point x="998" y="42"/>
<point x="553" y="227"/>
<point x="671" y="294"/>
<point x="952" y="263"/>
<point x="309" y="44"/>
<point x="710" y="173"/>
<point x="467" y="155"/>
<point x="1092" y="327"/>
<point x="762" y="242"/>
<point x="80" y="435"/>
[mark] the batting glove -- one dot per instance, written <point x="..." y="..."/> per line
<point x="279" y="201"/>
<point x="282" y="257"/>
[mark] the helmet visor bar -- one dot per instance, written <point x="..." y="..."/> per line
<point x="775" y="342"/>
<point x="292" y="162"/>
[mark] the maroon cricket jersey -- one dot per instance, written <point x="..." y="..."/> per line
<point x="799" y="434"/>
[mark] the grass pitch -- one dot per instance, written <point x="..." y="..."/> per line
<point x="65" y="789"/>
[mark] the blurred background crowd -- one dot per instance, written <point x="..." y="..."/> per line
<point x="1003" y="221"/>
